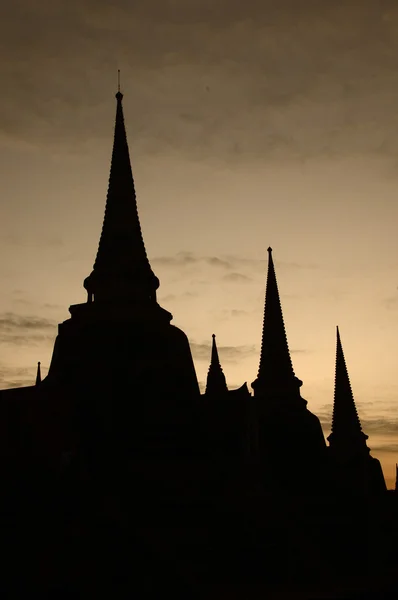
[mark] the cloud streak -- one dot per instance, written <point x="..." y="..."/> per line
<point x="224" y="262"/>
<point x="371" y="425"/>
<point x="30" y="330"/>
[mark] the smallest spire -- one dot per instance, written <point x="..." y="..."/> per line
<point x="216" y="383"/>
<point x="38" y="375"/>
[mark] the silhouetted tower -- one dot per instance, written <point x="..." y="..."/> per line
<point x="285" y="427"/>
<point x="275" y="377"/>
<point x="121" y="338"/>
<point x="38" y="375"/>
<point x="121" y="273"/>
<point x="396" y="479"/>
<point x="354" y="469"/>
<point x="346" y="435"/>
<point x="216" y="383"/>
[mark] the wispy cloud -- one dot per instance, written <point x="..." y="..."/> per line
<point x="337" y="97"/>
<point x="236" y="278"/>
<point x="236" y="312"/>
<point x="388" y="447"/>
<point x="377" y="424"/>
<point x="182" y="296"/>
<point x="225" y="262"/>
<point x="25" y="329"/>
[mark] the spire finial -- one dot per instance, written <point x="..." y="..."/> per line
<point x="38" y="375"/>
<point x="119" y="94"/>
<point x="269" y="249"/>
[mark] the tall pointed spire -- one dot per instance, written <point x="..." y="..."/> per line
<point x="38" y="375"/>
<point x="275" y="374"/>
<point x="121" y="271"/>
<point x="346" y="433"/>
<point x="216" y="383"/>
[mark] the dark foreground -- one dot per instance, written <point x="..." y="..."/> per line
<point x="157" y="529"/>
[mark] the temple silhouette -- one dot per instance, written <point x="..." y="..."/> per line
<point x="119" y="476"/>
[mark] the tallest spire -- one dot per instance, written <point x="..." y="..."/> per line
<point x="121" y="272"/>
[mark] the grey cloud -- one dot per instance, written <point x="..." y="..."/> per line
<point x="235" y="312"/>
<point x="181" y="259"/>
<point x="236" y="278"/>
<point x="393" y="447"/>
<point x="218" y="262"/>
<point x="26" y="339"/>
<point x="167" y="298"/>
<point x="185" y="258"/>
<point x="21" y="297"/>
<point x="227" y="262"/>
<point x="173" y="297"/>
<point x="21" y="329"/>
<point x="11" y="321"/>
<point x="226" y="64"/>
<point x="229" y="354"/>
<point x="380" y="425"/>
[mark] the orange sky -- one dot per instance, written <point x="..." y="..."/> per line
<point x="248" y="126"/>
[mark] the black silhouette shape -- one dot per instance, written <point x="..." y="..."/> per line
<point x="275" y="372"/>
<point x="38" y="375"/>
<point x="216" y="383"/>
<point x="120" y="479"/>
<point x="355" y="470"/>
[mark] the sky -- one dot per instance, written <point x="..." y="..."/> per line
<point x="255" y="124"/>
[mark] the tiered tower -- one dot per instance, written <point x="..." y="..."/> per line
<point x="121" y="337"/>
<point x="353" y="469"/>
<point x="286" y="428"/>
<point x="216" y="384"/>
